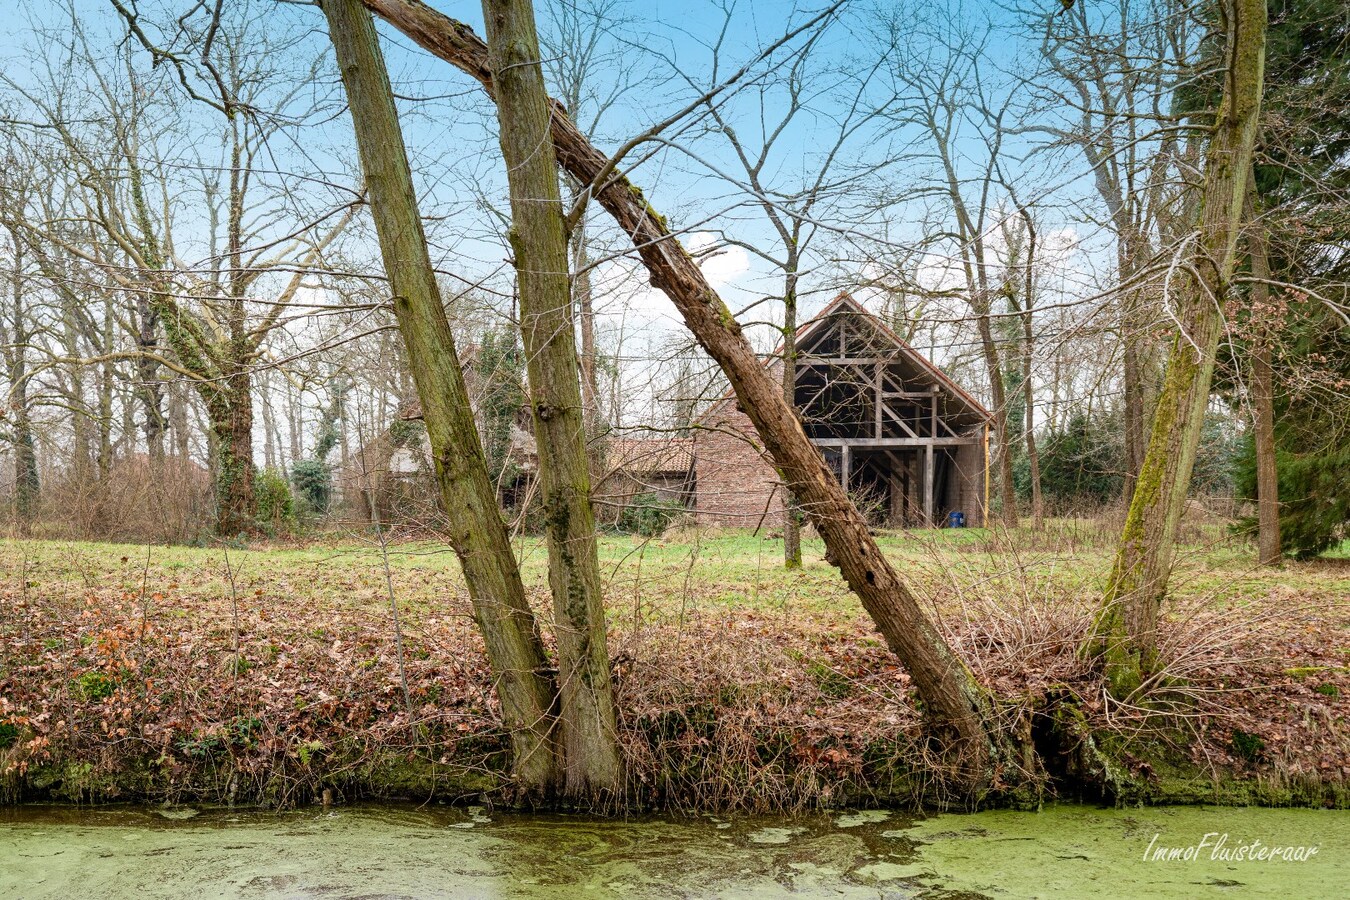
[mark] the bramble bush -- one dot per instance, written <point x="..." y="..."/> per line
<point x="649" y="515"/>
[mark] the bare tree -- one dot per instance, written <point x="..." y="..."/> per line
<point x="539" y="243"/>
<point x="18" y="330"/>
<point x="477" y="533"/>
<point x="592" y="69"/>
<point x="945" y="92"/>
<point x="207" y="314"/>
<point x="1127" y="626"/>
<point x="1109" y="91"/>
<point x="797" y="195"/>
<point x="955" y="704"/>
<point x="1019" y="288"/>
<point x="1262" y="389"/>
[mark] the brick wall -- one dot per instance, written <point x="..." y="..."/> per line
<point x="736" y="486"/>
<point x="966" y="492"/>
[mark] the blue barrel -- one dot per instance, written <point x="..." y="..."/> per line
<point x="956" y="519"/>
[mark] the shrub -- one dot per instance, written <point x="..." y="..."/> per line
<point x="1314" y="497"/>
<point x="276" y="506"/>
<point x="649" y="515"/>
<point x="1081" y="462"/>
<point x="312" y="480"/>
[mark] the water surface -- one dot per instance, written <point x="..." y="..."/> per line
<point x="440" y="852"/>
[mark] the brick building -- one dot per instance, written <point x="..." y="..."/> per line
<point x="662" y="468"/>
<point x="911" y="445"/>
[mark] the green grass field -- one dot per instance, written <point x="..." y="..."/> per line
<point x="661" y="575"/>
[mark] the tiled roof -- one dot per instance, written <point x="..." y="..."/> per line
<point x="650" y="455"/>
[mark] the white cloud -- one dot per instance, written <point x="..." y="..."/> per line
<point x="625" y="299"/>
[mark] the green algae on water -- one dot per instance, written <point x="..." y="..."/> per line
<point x="404" y="851"/>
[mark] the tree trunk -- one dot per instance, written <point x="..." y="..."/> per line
<point x="1127" y="623"/>
<point x="231" y="413"/>
<point x="477" y="533"/>
<point x="1029" y="395"/>
<point x="1133" y="414"/>
<point x="27" y="487"/>
<point x="954" y="704"/>
<point x="585" y="309"/>
<point x="792" y="516"/>
<point x="1131" y="252"/>
<point x="1007" y="496"/>
<point x="107" y="381"/>
<point x="149" y="388"/>
<point x="539" y="241"/>
<point x="273" y="456"/>
<point x="178" y="419"/>
<point x="1263" y="395"/>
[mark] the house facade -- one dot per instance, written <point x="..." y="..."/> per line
<point x="910" y="444"/>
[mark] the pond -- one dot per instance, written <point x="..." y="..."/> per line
<point x="438" y="851"/>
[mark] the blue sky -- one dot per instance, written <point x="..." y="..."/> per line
<point x="665" y="50"/>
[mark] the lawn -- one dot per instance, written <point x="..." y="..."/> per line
<point x="660" y="576"/>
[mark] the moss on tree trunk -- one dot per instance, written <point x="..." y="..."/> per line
<point x="539" y="241"/>
<point x="1126" y="634"/>
<point x="477" y="533"/>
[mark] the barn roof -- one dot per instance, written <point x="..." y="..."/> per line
<point x="845" y="302"/>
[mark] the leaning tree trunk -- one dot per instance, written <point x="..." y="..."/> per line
<point x="954" y="704"/>
<point x="477" y="533"/>
<point x="1126" y="632"/>
<point x="539" y="242"/>
<point x="1263" y="394"/>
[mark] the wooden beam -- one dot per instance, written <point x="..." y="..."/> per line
<point x="899" y="421"/>
<point x="897" y="487"/>
<point x="929" y="473"/>
<point x="815" y="359"/>
<point x="877" y="397"/>
<point x="845" y="465"/>
<point x="858" y="443"/>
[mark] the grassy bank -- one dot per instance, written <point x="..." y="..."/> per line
<point x="162" y="674"/>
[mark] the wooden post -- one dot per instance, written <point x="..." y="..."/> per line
<point x="877" y="394"/>
<point x="929" y="473"/>
<point x="897" y="498"/>
<point x="932" y="425"/>
<point x="845" y="465"/>
<point x="984" y="482"/>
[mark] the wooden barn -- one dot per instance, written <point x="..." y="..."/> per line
<point x="909" y="443"/>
